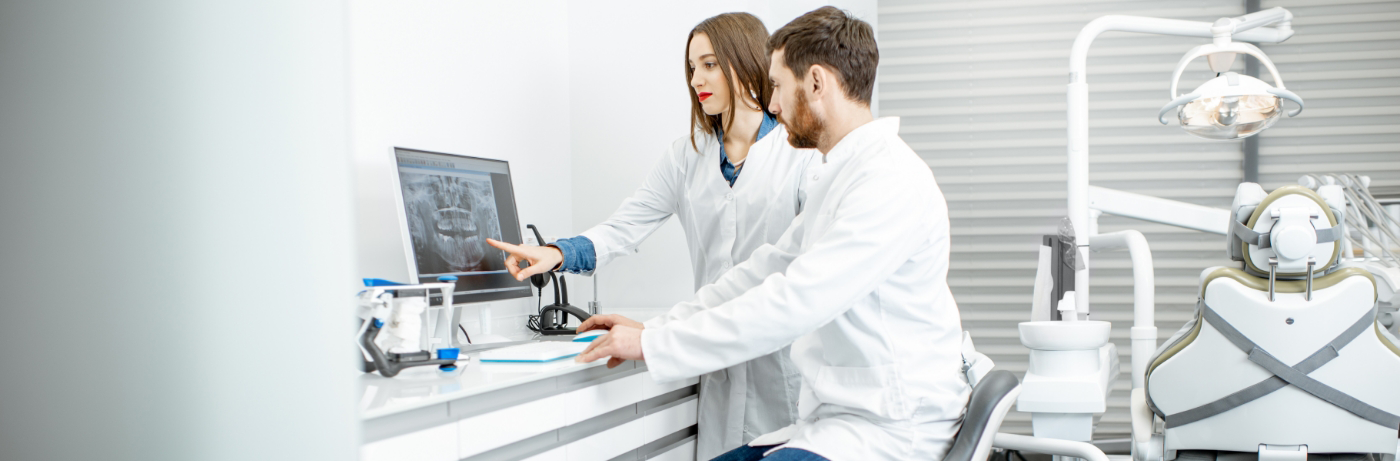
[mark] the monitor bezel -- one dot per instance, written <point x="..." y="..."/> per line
<point x="411" y="258"/>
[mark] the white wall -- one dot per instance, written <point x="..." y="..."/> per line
<point x="175" y="212"/>
<point x="629" y="102"/>
<point x="487" y="79"/>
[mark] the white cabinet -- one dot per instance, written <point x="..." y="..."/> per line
<point x="557" y="454"/>
<point x="682" y="452"/>
<point x="651" y="388"/>
<point x="596" y="400"/>
<point x="435" y="444"/>
<point x="626" y="437"/>
<point x="499" y="428"/>
<point x="614" y="413"/>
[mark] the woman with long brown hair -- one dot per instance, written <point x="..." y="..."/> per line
<point x="735" y="184"/>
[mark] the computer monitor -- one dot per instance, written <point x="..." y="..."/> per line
<point x="448" y="206"/>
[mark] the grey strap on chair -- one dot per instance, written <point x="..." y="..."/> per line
<point x="1284" y="375"/>
<point x="1322" y="391"/>
<point x="1261" y="239"/>
<point x="1330" y="234"/>
<point x="1249" y="236"/>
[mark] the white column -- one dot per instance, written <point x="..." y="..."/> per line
<point x="177" y="261"/>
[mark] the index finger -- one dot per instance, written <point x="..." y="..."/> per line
<point x="508" y="247"/>
<point x="593" y="323"/>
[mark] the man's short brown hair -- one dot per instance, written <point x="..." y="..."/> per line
<point x="833" y="39"/>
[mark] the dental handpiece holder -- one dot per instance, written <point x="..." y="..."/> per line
<point x="553" y="320"/>
<point x="380" y="304"/>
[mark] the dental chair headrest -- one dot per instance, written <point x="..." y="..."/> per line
<point x="1291" y="225"/>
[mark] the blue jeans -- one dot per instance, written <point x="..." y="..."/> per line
<point x="748" y="453"/>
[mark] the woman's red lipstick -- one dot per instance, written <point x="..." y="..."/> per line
<point x="703" y="96"/>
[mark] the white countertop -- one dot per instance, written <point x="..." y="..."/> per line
<point x="419" y="387"/>
<point x="424" y="386"/>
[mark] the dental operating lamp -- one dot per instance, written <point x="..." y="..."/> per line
<point x="1229" y="106"/>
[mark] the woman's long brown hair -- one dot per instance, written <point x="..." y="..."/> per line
<point x="740" y="42"/>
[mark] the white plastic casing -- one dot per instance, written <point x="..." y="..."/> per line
<point x="1294" y="212"/>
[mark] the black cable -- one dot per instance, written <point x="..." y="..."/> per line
<point x="464" y="332"/>
<point x="532" y="322"/>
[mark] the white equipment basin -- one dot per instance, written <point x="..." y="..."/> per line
<point x="1064" y="336"/>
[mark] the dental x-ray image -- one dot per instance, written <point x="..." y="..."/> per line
<point x="449" y="220"/>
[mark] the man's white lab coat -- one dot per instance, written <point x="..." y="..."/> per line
<point x="723" y="226"/>
<point x="858" y="287"/>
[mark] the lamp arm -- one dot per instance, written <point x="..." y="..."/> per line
<point x="1247" y="28"/>
<point x="1291" y="96"/>
<point x="1162" y="115"/>
<point x="1160" y="210"/>
<point x="1229" y="47"/>
<point x="1276" y="15"/>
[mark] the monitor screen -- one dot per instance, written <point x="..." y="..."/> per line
<point x="450" y="205"/>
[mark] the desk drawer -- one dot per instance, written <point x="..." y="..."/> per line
<point x="557" y="454"/>
<point x="596" y="400"/>
<point x="682" y="452"/>
<point x="434" y="444"/>
<point x="626" y="437"/>
<point x="499" y="428"/>
<point x="651" y="388"/>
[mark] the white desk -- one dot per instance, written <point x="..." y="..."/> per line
<point x="554" y="411"/>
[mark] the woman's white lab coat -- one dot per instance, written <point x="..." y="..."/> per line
<point x="723" y="225"/>
<point x="859" y="282"/>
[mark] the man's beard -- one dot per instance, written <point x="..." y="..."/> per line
<point x="804" y="128"/>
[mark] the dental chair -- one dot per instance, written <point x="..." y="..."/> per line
<point x="994" y="392"/>
<point x="1284" y="359"/>
<point x="991" y="399"/>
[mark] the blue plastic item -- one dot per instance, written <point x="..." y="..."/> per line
<point x="448" y="353"/>
<point x="447" y="278"/>
<point x="382" y="283"/>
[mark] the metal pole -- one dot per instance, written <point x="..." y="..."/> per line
<point x="1250" y="146"/>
